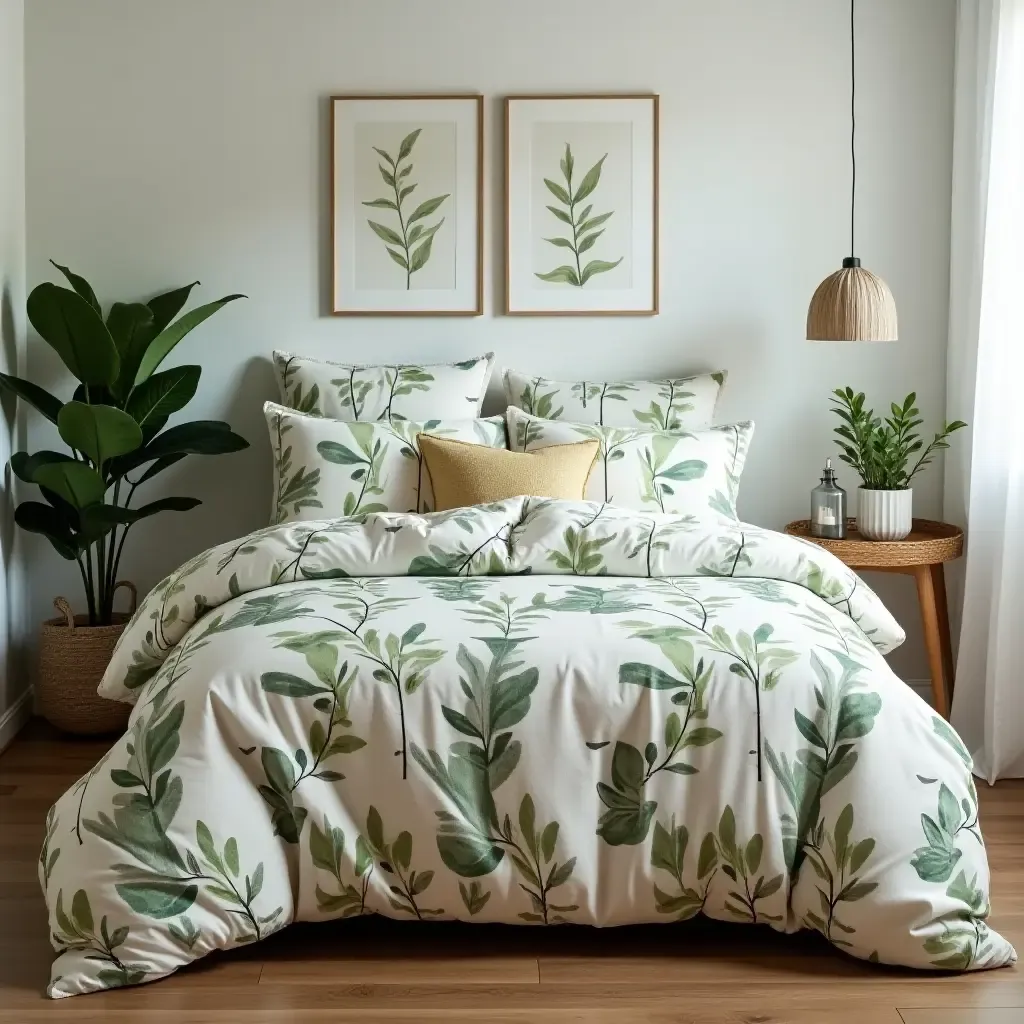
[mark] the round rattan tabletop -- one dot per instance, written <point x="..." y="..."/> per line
<point x="929" y="543"/>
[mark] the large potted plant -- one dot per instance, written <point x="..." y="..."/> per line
<point x="114" y="428"/>
<point x="881" y="452"/>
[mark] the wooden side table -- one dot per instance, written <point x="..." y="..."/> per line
<point x="920" y="555"/>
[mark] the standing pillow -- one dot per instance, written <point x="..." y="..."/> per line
<point x="470" y="474"/>
<point x="327" y="468"/>
<point x="650" y="470"/>
<point x="398" y="391"/>
<point x="675" y="404"/>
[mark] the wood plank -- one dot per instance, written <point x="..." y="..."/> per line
<point x="434" y="970"/>
<point x="374" y="970"/>
<point x="221" y="1012"/>
<point x="950" y="1015"/>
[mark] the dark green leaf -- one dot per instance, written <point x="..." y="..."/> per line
<point x="166" y="306"/>
<point x="401" y="850"/>
<point x="934" y="864"/>
<point x="397" y="257"/>
<point x="626" y="826"/>
<point x="752" y="853"/>
<point x="132" y="326"/>
<point x="158" y="898"/>
<point x="75" y="482"/>
<point x="949" y="810"/>
<point x="40" y="400"/>
<point x="197" y="437"/>
<point x="426" y="208"/>
<point x="387" y="234"/>
<point x="593" y="222"/>
<point x="690" y="469"/>
<point x="561" y="874"/>
<point x="80" y="285"/>
<point x="24" y="465"/>
<point x="560" y="275"/>
<point x="287" y="685"/>
<point x="231" y="856"/>
<point x="597" y="267"/>
<point x="590" y="180"/>
<point x="340" y="455"/>
<point x="809" y="730"/>
<point x="469" y="854"/>
<point x="422" y="253"/>
<point x="73" y="328"/>
<point x="708" y="855"/>
<point x="163" y="394"/>
<point x="627" y="768"/>
<point x="407" y="143"/>
<point x="36" y="517"/>
<point x="649" y="676"/>
<point x="557" y="191"/>
<point x="279" y="770"/>
<point x="100" y="431"/>
<point x="162" y="345"/>
<point x="860" y="854"/>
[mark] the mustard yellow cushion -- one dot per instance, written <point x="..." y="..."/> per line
<point x="464" y="474"/>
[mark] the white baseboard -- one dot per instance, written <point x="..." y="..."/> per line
<point x="14" y="719"/>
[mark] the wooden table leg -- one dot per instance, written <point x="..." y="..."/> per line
<point x="936" y="632"/>
<point x="942" y="609"/>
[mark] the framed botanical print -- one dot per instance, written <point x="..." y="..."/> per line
<point x="581" y="205"/>
<point x="407" y="205"/>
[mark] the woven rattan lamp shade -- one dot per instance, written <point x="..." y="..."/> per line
<point x="852" y="305"/>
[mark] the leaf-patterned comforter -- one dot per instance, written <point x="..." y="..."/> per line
<point x="532" y="711"/>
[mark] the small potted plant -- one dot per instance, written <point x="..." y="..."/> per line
<point x="880" y="451"/>
<point x="114" y="430"/>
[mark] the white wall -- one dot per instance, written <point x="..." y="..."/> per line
<point x="13" y="676"/>
<point x="168" y="141"/>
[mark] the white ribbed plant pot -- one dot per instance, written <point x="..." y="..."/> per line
<point x="884" y="515"/>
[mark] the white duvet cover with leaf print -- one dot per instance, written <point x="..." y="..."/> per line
<point x="532" y="712"/>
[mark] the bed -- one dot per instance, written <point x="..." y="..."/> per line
<point x="532" y="712"/>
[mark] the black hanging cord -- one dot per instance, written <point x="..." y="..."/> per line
<point x="853" y="126"/>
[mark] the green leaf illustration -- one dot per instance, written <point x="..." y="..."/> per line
<point x="410" y="244"/>
<point x="597" y="267"/>
<point x="586" y="230"/>
<point x="561" y="275"/>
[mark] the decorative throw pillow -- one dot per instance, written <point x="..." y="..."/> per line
<point x="464" y="474"/>
<point x="681" y="403"/>
<point x="399" y="391"/>
<point x="327" y="468"/>
<point x="650" y="470"/>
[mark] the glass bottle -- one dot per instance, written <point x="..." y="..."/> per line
<point x="828" y="506"/>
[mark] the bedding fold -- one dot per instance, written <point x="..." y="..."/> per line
<point x="537" y="536"/>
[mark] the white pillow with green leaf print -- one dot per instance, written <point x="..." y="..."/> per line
<point x="399" y="391"/>
<point x="650" y="470"/>
<point x="327" y="468"/>
<point x="673" y="404"/>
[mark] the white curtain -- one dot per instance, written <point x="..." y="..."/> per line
<point x="985" y="470"/>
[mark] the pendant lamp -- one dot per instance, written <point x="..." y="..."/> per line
<point x="852" y="304"/>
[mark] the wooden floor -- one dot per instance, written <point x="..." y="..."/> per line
<point x="377" y="971"/>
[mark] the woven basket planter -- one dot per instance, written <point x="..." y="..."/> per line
<point x="72" y="659"/>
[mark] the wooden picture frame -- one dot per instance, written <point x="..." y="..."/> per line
<point x="542" y="222"/>
<point x="434" y="144"/>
